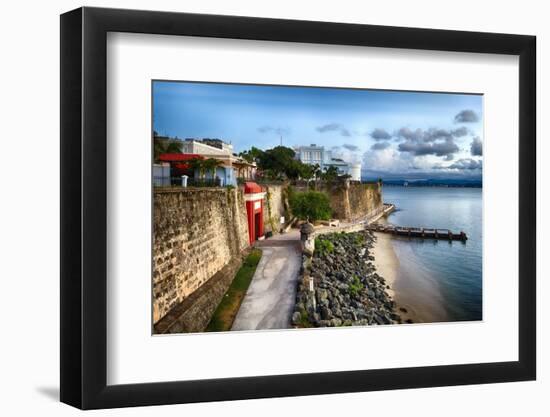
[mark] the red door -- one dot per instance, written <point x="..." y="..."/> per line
<point x="257" y="226"/>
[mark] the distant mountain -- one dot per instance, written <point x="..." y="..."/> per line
<point x="433" y="182"/>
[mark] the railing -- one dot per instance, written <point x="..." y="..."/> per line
<point x="161" y="181"/>
<point x="189" y="182"/>
<point x="196" y="182"/>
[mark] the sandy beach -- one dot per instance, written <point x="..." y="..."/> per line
<point x="385" y="261"/>
<point x="417" y="297"/>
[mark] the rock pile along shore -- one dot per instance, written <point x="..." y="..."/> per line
<point x="347" y="291"/>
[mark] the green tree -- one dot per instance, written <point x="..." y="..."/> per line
<point x="316" y="171"/>
<point x="198" y="164"/>
<point x="330" y="174"/>
<point x="158" y="148"/>
<point x="305" y="171"/>
<point x="251" y="155"/>
<point x="161" y="146"/>
<point x="279" y="161"/>
<point x="310" y="205"/>
<point x="210" y="165"/>
<point x="296" y="169"/>
<point x="174" y="147"/>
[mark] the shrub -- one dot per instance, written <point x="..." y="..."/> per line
<point x="310" y="205"/>
<point x="356" y="286"/>
<point x="323" y="246"/>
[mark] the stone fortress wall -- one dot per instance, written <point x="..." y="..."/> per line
<point x="275" y="207"/>
<point x="196" y="232"/>
<point x="351" y="201"/>
<point x="200" y="236"/>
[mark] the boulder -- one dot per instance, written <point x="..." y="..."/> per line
<point x="296" y="318"/>
<point x="326" y="314"/>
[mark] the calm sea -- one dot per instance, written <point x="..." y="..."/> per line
<point x="441" y="280"/>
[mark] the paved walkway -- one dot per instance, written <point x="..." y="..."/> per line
<point x="269" y="301"/>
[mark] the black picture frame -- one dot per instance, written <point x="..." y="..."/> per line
<point x="84" y="207"/>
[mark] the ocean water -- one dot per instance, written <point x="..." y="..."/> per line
<point x="437" y="279"/>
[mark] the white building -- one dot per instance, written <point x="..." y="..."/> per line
<point x="207" y="147"/>
<point x="317" y="155"/>
<point x="161" y="174"/>
<point x="232" y="166"/>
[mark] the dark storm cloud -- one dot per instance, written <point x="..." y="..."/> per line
<point x="433" y="141"/>
<point x="379" y="146"/>
<point x="274" y="129"/>
<point x="466" y="116"/>
<point x="420" y="148"/>
<point x="351" y="148"/>
<point x="476" y="148"/>
<point x="380" y="134"/>
<point x="333" y="127"/>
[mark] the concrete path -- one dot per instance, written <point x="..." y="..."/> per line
<point x="271" y="296"/>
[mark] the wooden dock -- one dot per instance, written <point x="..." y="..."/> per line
<point x="421" y="232"/>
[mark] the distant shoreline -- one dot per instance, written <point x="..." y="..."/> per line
<point x="430" y="186"/>
<point x="430" y="182"/>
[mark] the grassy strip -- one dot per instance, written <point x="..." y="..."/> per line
<point x="225" y="314"/>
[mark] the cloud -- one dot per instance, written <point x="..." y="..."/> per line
<point x="274" y="129"/>
<point x="380" y="134"/>
<point x="333" y="127"/>
<point x="387" y="161"/>
<point x="467" y="164"/>
<point x="433" y="141"/>
<point x="476" y="148"/>
<point x="351" y="148"/>
<point x="409" y="134"/>
<point x="438" y="142"/>
<point x="379" y="146"/>
<point x="346" y="152"/>
<point x="466" y="116"/>
<point x="463" y="164"/>
<point x="461" y="131"/>
<point x="434" y="134"/>
<point x="440" y="148"/>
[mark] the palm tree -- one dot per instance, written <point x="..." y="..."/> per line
<point x="163" y="146"/>
<point x="198" y="164"/>
<point x="212" y="164"/>
<point x="317" y="171"/>
<point x="330" y="174"/>
<point x="174" y="147"/>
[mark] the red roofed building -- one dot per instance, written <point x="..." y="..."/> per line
<point x="179" y="162"/>
<point x="230" y="167"/>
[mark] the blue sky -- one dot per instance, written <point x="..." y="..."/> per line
<point x="392" y="133"/>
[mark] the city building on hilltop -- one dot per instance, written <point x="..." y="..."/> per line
<point x="318" y="155"/>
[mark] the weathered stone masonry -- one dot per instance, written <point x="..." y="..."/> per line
<point x="196" y="233"/>
<point x="364" y="199"/>
<point x="200" y="236"/>
<point x="352" y="201"/>
<point x="275" y="207"/>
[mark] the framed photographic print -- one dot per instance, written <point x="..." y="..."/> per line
<point x="258" y="207"/>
